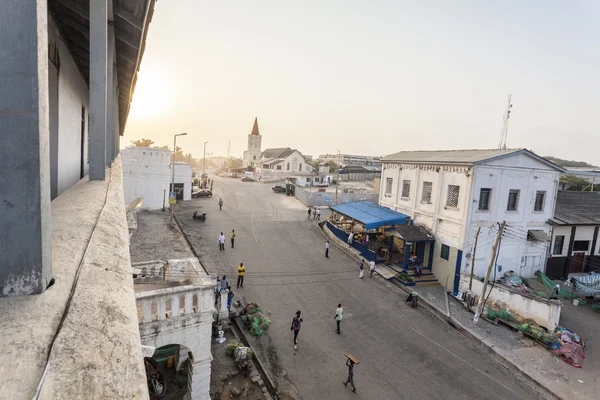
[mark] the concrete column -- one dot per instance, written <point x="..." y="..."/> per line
<point x="98" y="84"/>
<point x="25" y="237"/>
<point x="110" y="88"/>
<point x="223" y="313"/>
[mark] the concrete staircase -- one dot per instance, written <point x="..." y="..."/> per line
<point x="427" y="278"/>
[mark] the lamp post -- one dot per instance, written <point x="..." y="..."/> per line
<point x="337" y="178"/>
<point x="173" y="171"/>
<point x="204" y="161"/>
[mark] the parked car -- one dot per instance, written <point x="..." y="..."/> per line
<point x="278" y="189"/>
<point x="248" y="179"/>
<point x="202" y="193"/>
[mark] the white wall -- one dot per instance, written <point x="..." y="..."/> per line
<point x="72" y="95"/>
<point x="516" y="252"/>
<point x="581" y="233"/>
<point x="183" y="174"/>
<point x="446" y="223"/>
<point x="544" y="312"/>
<point x="146" y="174"/>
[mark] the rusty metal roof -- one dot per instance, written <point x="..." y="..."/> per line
<point x="130" y="18"/>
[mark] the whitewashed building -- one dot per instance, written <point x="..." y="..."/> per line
<point x="453" y="193"/>
<point x="147" y="174"/>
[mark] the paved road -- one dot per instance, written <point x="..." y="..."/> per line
<point x="405" y="353"/>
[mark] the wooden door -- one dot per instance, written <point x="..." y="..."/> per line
<point x="577" y="261"/>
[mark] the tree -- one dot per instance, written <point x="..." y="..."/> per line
<point x="235" y="163"/>
<point x="315" y="165"/>
<point x="142" y="143"/>
<point x="567" y="163"/>
<point x="333" y="167"/>
<point x="575" y="183"/>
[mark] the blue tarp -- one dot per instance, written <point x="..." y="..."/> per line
<point x="371" y="214"/>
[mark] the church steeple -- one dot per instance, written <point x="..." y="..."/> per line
<point x="255" y="127"/>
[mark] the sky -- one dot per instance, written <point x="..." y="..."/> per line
<point x="372" y="77"/>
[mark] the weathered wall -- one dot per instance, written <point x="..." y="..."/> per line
<point x="544" y="312"/>
<point x="324" y="199"/>
<point x="146" y="174"/>
<point x="72" y="96"/>
<point x="97" y="352"/>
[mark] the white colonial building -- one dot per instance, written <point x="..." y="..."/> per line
<point x="453" y="193"/>
<point x="147" y="173"/>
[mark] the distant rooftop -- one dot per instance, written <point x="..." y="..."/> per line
<point x="577" y="208"/>
<point x="475" y="156"/>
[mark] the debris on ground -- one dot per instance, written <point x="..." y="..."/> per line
<point x="254" y="320"/>
<point x="569" y="346"/>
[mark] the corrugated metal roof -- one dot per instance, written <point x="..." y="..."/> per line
<point x="449" y="156"/>
<point x="577" y="208"/>
<point x="370" y="214"/>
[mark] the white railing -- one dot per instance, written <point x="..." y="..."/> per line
<point x="161" y="304"/>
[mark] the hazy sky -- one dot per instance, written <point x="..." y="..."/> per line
<point x="372" y="77"/>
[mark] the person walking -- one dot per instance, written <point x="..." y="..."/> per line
<point x="229" y="298"/>
<point x="327" y="249"/>
<point x="371" y="267"/>
<point x="220" y="204"/>
<point x="362" y="269"/>
<point x="367" y="240"/>
<point x="241" y="273"/>
<point x="314" y="213"/>
<point x="350" y="238"/>
<point x="350" y="379"/>
<point x="296" y="323"/>
<point x="318" y="214"/>
<point x="232" y="238"/>
<point x="339" y="314"/>
<point x="221" y="241"/>
<point x="309" y="212"/>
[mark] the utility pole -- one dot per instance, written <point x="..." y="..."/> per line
<point x="472" y="268"/>
<point x="228" y="149"/>
<point x="173" y="171"/>
<point x="204" y="161"/>
<point x="337" y="178"/>
<point x="480" y="304"/>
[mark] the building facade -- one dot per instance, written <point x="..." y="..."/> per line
<point x="575" y="225"/>
<point x="254" y="146"/>
<point x="351" y="159"/>
<point x="456" y="193"/>
<point x="147" y="174"/>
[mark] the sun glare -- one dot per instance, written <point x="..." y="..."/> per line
<point x="153" y="94"/>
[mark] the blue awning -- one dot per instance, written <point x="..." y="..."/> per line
<point x="370" y="214"/>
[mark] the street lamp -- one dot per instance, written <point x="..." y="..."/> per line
<point x="204" y="162"/>
<point x="173" y="170"/>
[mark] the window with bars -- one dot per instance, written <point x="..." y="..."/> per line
<point x="452" y="196"/>
<point x="389" y="182"/>
<point x="405" y="189"/>
<point x="513" y="200"/>
<point x="540" y="199"/>
<point x="484" y="199"/>
<point x="559" y="242"/>
<point x="426" y="195"/>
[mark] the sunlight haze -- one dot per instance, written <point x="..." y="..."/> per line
<point x="371" y="78"/>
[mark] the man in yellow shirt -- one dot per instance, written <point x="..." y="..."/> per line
<point x="241" y="272"/>
<point x="232" y="237"/>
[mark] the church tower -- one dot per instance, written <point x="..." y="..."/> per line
<point x="254" y="144"/>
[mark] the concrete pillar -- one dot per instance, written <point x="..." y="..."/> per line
<point x="98" y="84"/>
<point x="25" y="237"/>
<point x="223" y="313"/>
<point x="110" y="88"/>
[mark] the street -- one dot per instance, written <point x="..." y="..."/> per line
<point x="405" y="353"/>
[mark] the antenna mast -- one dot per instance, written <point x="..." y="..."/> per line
<point x="229" y="149"/>
<point x="504" y="132"/>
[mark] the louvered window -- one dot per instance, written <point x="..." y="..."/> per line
<point x="405" y="189"/>
<point x="426" y="195"/>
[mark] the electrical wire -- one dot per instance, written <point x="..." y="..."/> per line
<point x="67" y="308"/>
<point x="495" y="269"/>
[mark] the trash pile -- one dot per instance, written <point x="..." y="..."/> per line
<point x="569" y="346"/>
<point x="241" y="353"/>
<point x="513" y="280"/>
<point x="254" y="320"/>
<point x="564" y="343"/>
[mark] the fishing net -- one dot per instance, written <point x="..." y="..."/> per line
<point x="502" y="314"/>
<point x="551" y="285"/>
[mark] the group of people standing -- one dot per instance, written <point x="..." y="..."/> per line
<point x="315" y="212"/>
<point x="221" y="240"/>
